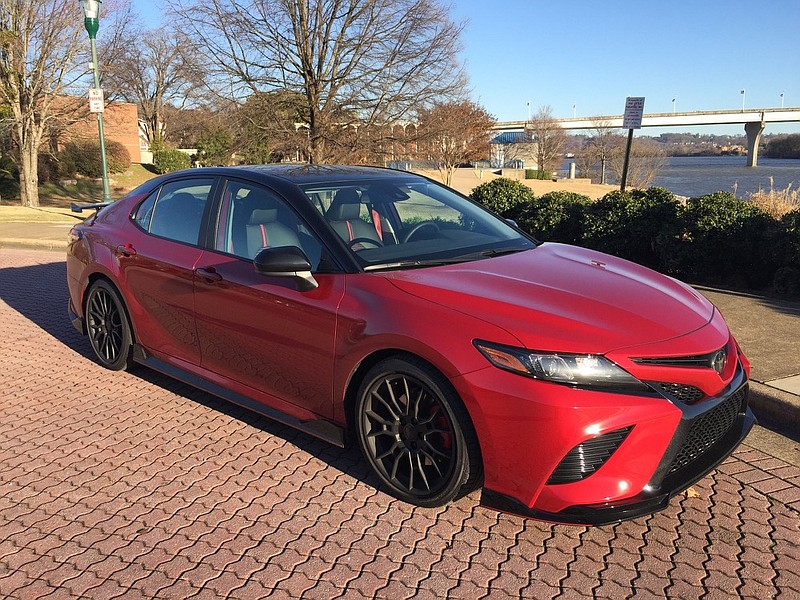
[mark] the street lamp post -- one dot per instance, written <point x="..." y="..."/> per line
<point x="781" y="99"/>
<point x="673" y="105"/>
<point x="743" y="97"/>
<point x="91" y="14"/>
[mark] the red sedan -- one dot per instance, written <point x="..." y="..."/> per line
<point x="458" y="351"/>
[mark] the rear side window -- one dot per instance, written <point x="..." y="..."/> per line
<point x="175" y="211"/>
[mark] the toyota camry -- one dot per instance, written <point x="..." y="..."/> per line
<point x="454" y="349"/>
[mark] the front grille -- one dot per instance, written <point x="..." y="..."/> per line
<point x="708" y="428"/>
<point x="698" y="360"/>
<point x="688" y="394"/>
<point x="585" y="458"/>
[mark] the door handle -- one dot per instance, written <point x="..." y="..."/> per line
<point x="126" y="250"/>
<point x="208" y="275"/>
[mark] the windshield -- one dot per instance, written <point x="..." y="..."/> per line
<point x="396" y="223"/>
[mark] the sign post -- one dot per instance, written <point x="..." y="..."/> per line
<point x="634" y="110"/>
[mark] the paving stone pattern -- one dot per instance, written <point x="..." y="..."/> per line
<point x="134" y="485"/>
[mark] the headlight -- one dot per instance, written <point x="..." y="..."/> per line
<point x="579" y="370"/>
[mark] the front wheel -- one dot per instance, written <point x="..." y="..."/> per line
<point x="415" y="433"/>
<point x="108" y="327"/>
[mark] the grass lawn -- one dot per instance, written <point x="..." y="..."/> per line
<point x="55" y="199"/>
<point x="53" y="195"/>
<point x="91" y="190"/>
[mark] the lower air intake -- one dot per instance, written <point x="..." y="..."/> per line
<point x="708" y="428"/>
<point x="585" y="458"/>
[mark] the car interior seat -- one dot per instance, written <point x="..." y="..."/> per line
<point x="264" y="230"/>
<point x="344" y="217"/>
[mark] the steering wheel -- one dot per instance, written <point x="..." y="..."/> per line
<point x="363" y="240"/>
<point x="418" y="227"/>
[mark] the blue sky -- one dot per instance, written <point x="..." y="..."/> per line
<point x="595" y="53"/>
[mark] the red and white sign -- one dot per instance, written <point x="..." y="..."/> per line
<point x="634" y="109"/>
<point x="96" y="103"/>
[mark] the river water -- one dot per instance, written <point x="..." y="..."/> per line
<point x="698" y="175"/>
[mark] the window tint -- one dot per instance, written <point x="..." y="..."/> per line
<point x="145" y="211"/>
<point x="252" y="218"/>
<point x="178" y="211"/>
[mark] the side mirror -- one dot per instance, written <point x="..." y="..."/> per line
<point x="286" y="261"/>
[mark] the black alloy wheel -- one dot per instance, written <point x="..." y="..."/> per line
<point x="108" y="327"/>
<point x="416" y="434"/>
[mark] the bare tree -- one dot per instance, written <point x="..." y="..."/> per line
<point x="42" y="46"/>
<point x="453" y="133"/>
<point x="647" y="158"/>
<point x="186" y="124"/>
<point x="598" y="149"/>
<point x="549" y="137"/>
<point x="155" y="69"/>
<point x="270" y="126"/>
<point x="357" y="63"/>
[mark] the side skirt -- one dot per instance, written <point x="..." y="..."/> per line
<point x="319" y="428"/>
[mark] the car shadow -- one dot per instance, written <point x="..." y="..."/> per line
<point x="39" y="293"/>
<point x="785" y="305"/>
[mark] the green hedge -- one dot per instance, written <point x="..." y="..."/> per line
<point x="556" y="216"/>
<point x="168" y="160"/>
<point x="504" y="196"/>
<point x="537" y="174"/>
<point x="714" y="239"/>
<point x="83" y="157"/>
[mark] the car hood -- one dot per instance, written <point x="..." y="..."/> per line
<point x="564" y="298"/>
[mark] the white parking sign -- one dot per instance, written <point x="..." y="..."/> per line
<point x="96" y="104"/>
<point x="634" y="109"/>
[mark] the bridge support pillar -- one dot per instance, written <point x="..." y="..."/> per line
<point x="753" y="131"/>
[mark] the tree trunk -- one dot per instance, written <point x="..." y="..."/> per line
<point x="29" y="175"/>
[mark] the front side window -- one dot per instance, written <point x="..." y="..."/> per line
<point x="252" y="218"/>
<point x="175" y="210"/>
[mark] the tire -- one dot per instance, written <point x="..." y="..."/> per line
<point x="108" y="327"/>
<point x="416" y="434"/>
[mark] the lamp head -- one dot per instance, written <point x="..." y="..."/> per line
<point x="91" y="16"/>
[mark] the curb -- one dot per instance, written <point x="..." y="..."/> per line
<point x="33" y="244"/>
<point x="775" y="407"/>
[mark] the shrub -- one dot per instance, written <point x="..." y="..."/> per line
<point x="507" y="197"/>
<point x="170" y="159"/>
<point x="787" y="278"/>
<point x="117" y="157"/>
<point x="84" y="157"/>
<point x="47" y="168"/>
<point x="636" y="225"/>
<point x="537" y="174"/>
<point x="728" y="240"/>
<point x="556" y="216"/>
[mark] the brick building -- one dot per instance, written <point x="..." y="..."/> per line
<point x="120" y="124"/>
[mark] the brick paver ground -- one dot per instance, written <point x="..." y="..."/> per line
<point x="134" y="485"/>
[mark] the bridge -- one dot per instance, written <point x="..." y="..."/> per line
<point x="754" y="120"/>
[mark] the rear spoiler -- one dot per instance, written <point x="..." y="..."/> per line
<point x="81" y="207"/>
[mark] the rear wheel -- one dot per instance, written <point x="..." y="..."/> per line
<point x="415" y="433"/>
<point x="108" y="327"/>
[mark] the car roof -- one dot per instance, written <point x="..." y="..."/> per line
<point x="304" y="173"/>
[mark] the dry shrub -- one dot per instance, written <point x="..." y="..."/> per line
<point x="776" y="203"/>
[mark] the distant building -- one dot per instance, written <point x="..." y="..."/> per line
<point x="513" y="150"/>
